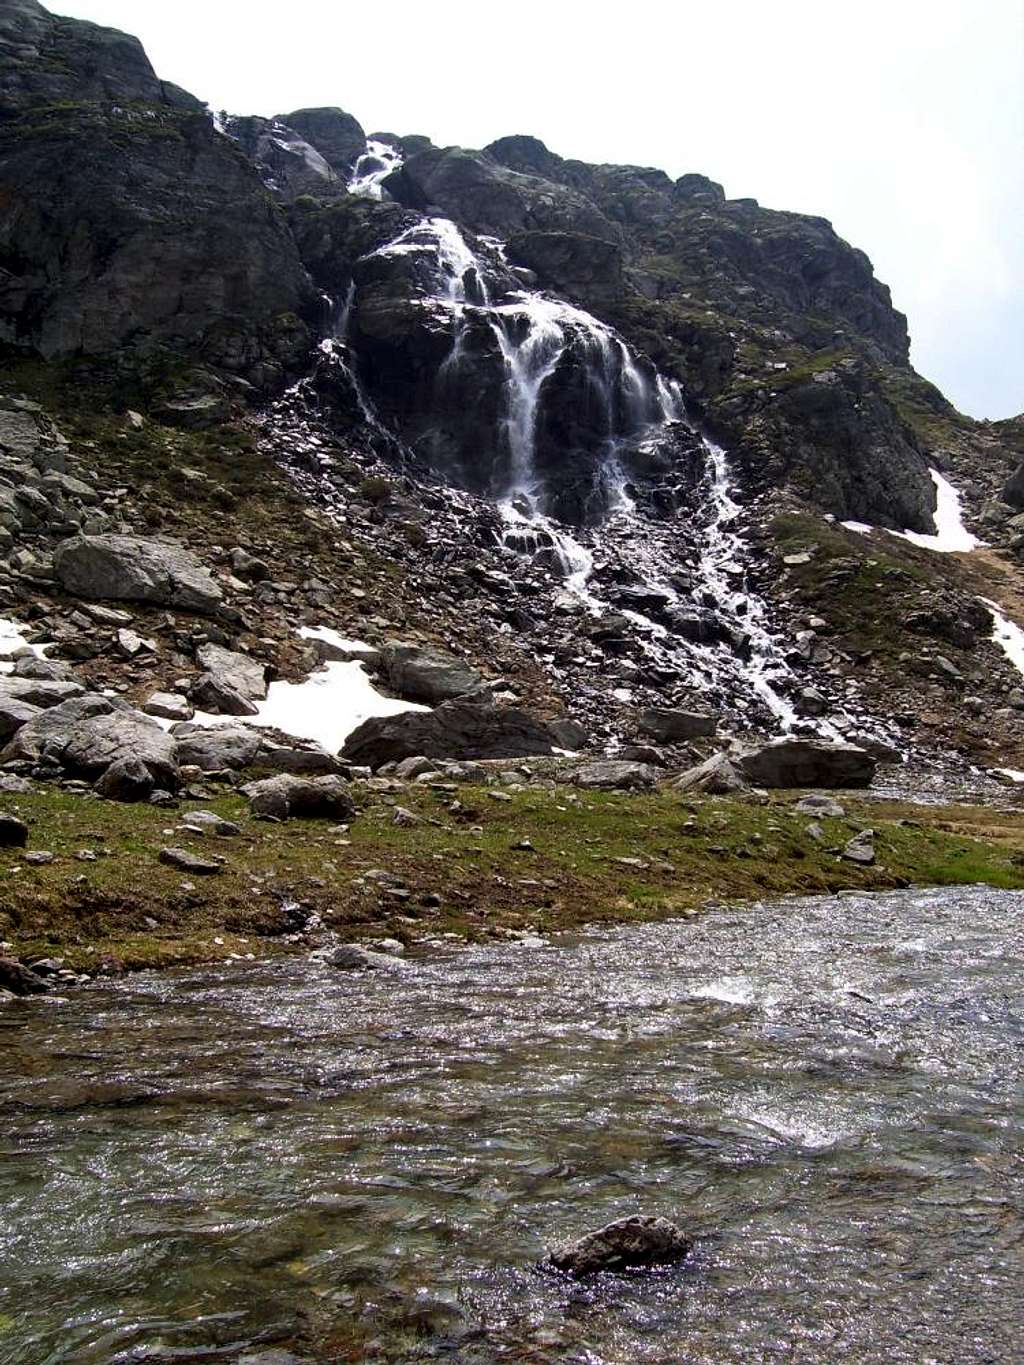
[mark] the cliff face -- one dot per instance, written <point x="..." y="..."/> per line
<point x="126" y="219"/>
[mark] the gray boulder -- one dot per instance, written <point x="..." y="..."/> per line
<point x="351" y="957"/>
<point x="216" y="748"/>
<point x="716" y="776"/>
<point x="14" y="714"/>
<point x="243" y="674"/>
<point x="806" y="762"/>
<point x="127" y="779"/>
<point x="132" y="569"/>
<point x="192" y="863"/>
<point x="212" y="694"/>
<point x="286" y="795"/>
<point x="426" y="675"/>
<point x="43" y="670"/>
<point x="42" y="692"/>
<point x="861" y="848"/>
<point x="616" y="775"/>
<point x="822" y="807"/>
<point x="87" y="734"/>
<point x="456" y="729"/>
<point x="671" y="726"/>
<point x="168" y="706"/>
<point x="625" y="1244"/>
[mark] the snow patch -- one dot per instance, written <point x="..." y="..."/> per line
<point x="951" y="535"/>
<point x="1009" y="637"/>
<point x="11" y="639"/>
<point x="861" y="527"/>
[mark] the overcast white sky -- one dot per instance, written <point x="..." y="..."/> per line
<point x="902" y="121"/>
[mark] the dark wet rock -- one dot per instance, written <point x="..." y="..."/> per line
<point x="806" y="762"/>
<point x="353" y="957"/>
<point x="132" y="569"/>
<point x="573" y="264"/>
<point x="288" y="164"/>
<point x="138" y="222"/>
<point x="19" y="979"/>
<point x="717" y="776"/>
<point x="642" y="753"/>
<point x="417" y="673"/>
<point x="286" y="795"/>
<point x="87" y="734"/>
<point x="13" y="832"/>
<point x="337" y="136"/>
<point x="629" y="1243"/>
<point x="671" y="726"/>
<point x="616" y="775"/>
<point x="191" y="863"/>
<point x="127" y="779"/>
<point x="458" y="729"/>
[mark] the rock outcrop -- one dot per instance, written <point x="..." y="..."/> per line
<point x="629" y="1243"/>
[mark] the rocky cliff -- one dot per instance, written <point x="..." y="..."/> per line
<point x="593" y="427"/>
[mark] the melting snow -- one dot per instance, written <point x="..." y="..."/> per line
<point x="11" y="639"/>
<point x="326" y="708"/>
<point x="951" y="535"/>
<point x="861" y="527"/>
<point x="1008" y="637"/>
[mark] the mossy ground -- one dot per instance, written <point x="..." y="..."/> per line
<point x="547" y="859"/>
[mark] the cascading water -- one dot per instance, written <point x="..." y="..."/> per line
<point x="373" y="168"/>
<point x="535" y="334"/>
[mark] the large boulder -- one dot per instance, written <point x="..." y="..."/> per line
<point x="133" y="569"/>
<point x="417" y="673"/>
<point x="14" y="714"/>
<point x="41" y="692"/>
<point x="616" y="775"/>
<point x="806" y="762"/>
<point x="456" y="729"/>
<point x="286" y="794"/>
<point x="671" y="726"/>
<point x="716" y="776"/>
<point x="216" y="748"/>
<point x="86" y="735"/>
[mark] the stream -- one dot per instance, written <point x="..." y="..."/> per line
<point x="827" y="1093"/>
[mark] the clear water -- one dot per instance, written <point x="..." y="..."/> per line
<point x="826" y="1092"/>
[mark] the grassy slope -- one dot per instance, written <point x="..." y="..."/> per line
<point x="128" y="906"/>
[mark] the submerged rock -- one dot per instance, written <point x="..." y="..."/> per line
<point x="623" y="1245"/>
<point x="353" y="957"/>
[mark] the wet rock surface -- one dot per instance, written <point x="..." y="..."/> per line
<point x="629" y="1243"/>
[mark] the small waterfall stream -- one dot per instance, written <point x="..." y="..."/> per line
<point x="535" y="334"/>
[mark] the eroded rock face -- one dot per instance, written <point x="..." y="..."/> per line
<point x="616" y="775"/>
<point x="129" y="218"/>
<point x="627" y="1244"/>
<point x="132" y="569"/>
<point x="455" y="729"/>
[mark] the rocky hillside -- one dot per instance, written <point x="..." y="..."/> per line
<point x="588" y="429"/>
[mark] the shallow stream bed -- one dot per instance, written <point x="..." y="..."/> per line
<point x="828" y="1092"/>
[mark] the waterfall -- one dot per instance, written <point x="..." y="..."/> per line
<point x="629" y="403"/>
<point x="373" y="168"/>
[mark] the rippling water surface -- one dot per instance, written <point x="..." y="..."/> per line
<point x="828" y="1093"/>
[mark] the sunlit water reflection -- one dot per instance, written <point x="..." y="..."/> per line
<point x="827" y="1092"/>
